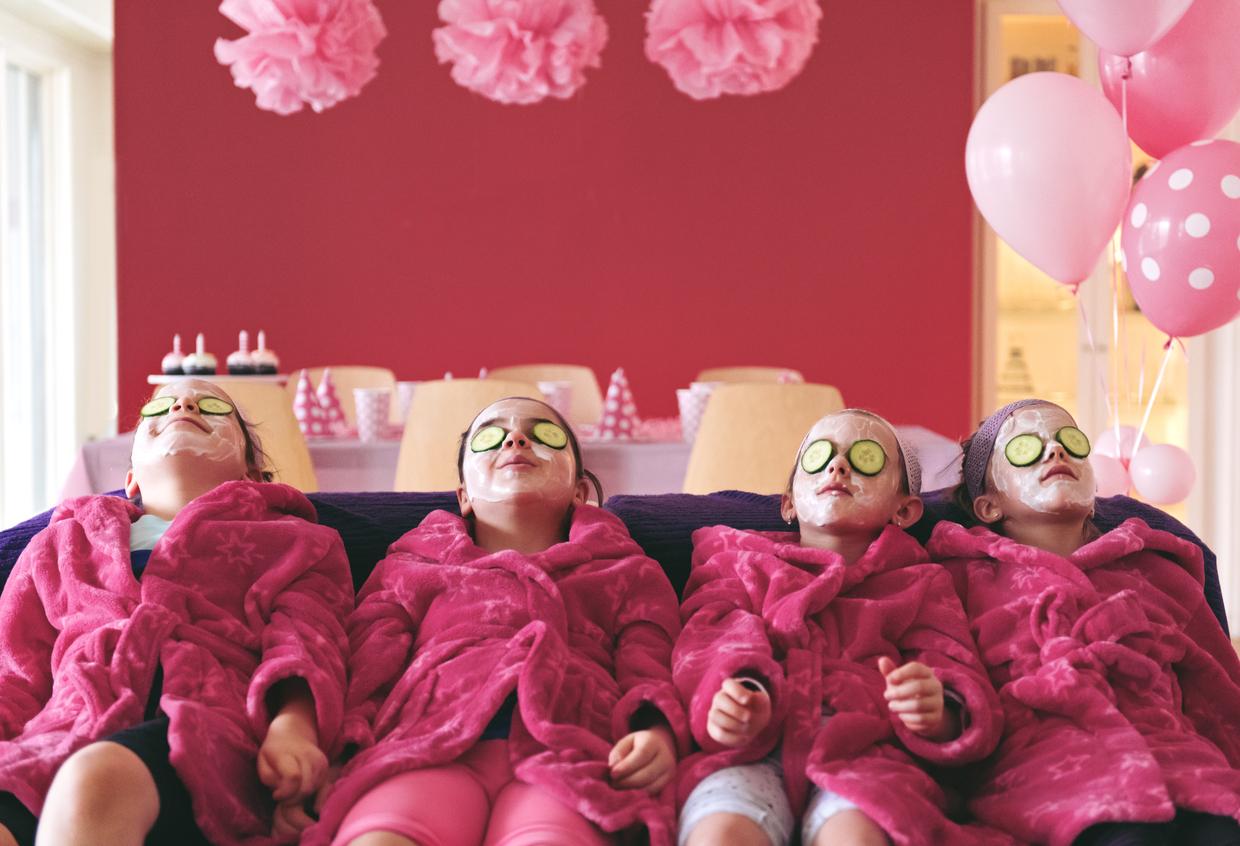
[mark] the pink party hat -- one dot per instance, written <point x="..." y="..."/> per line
<point x="306" y="408"/>
<point x="329" y="402"/>
<point x="619" y="411"/>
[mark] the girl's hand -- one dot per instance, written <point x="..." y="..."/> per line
<point x="915" y="695"/>
<point x="644" y="760"/>
<point x="737" y="714"/>
<point x="290" y="761"/>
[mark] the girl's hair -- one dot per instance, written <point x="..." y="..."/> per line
<point x="960" y="494"/>
<point x="582" y="472"/>
<point x="256" y="458"/>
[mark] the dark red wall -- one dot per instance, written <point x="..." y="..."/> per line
<point x="424" y="228"/>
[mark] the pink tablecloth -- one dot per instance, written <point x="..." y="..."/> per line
<point x="624" y="467"/>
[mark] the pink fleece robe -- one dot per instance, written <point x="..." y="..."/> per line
<point x="444" y="631"/>
<point x="1119" y="685"/>
<point x="814" y="628"/>
<point x="241" y="592"/>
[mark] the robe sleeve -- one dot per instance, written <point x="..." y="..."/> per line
<point x="27" y="639"/>
<point x="724" y="637"/>
<point x="302" y="605"/>
<point x="647" y="625"/>
<point x="1209" y="677"/>
<point x="381" y="630"/>
<point x="940" y="639"/>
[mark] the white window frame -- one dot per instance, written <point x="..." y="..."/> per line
<point x="80" y="227"/>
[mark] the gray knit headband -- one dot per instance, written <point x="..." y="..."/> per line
<point x="982" y="444"/>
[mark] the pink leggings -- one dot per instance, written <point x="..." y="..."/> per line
<point x="474" y="800"/>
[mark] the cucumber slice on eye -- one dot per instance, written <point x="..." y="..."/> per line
<point x="817" y="456"/>
<point x="1023" y="450"/>
<point x="487" y="439"/>
<point x="214" y="405"/>
<point x="1074" y="441"/>
<point x="867" y="457"/>
<point x="549" y="434"/>
<point x="158" y="406"/>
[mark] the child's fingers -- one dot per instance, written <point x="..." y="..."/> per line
<point x="886" y="665"/>
<point x="724" y="704"/>
<point x="908" y="672"/>
<point x="290" y="819"/>
<point x="737" y="692"/>
<point x="635" y="761"/>
<point x="914" y="689"/>
<point x="288" y="778"/>
<point x="266" y="773"/>
<point x="643" y="776"/>
<point x="727" y="723"/>
<point x="912" y="707"/>
<point x="726" y="738"/>
<point x="622" y="748"/>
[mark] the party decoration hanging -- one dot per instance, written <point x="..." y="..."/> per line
<point x="299" y="53"/>
<point x="716" y="47"/>
<point x="1125" y="27"/>
<point x="1049" y="167"/>
<point x="520" y="51"/>
<point x="1184" y="88"/>
<point x="1163" y="473"/>
<point x="1181" y="239"/>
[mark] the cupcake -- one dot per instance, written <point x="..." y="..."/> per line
<point x="171" y="365"/>
<point x="241" y="360"/>
<point x="265" y="361"/>
<point x="200" y="362"/>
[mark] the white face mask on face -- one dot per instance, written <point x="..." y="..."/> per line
<point x="838" y="497"/>
<point x="519" y="467"/>
<point x="185" y="432"/>
<point x="1057" y="482"/>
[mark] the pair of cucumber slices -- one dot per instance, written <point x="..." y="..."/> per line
<point x="206" y="405"/>
<point x="1026" y="449"/>
<point x="866" y="457"/>
<point x="545" y="432"/>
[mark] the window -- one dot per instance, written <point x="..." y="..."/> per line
<point x="57" y="277"/>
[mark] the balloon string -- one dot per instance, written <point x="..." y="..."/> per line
<point x="1093" y="349"/>
<point x="1141" y="380"/>
<point x="1123" y="87"/>
<point x="1114" y="363"/>
<point x="1149" y="408"/>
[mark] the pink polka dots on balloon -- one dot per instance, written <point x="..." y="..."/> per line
<point x="1180" y="236"/>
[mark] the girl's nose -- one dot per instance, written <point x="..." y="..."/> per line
<point x="184" y="404"/>
<point x="1055" y="450"/>
<point x="516" y="438"/>
<point x="839" y="466"/>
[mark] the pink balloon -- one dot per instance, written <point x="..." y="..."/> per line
<point x="1111" y="475"/>
<point x="1049" y="167"/>
<point x="1163" y="473"/>
<point x="1187" y="86"/>
<point x="1106" y="444"/>
<point x="1181" y="239"/>
<point x="1125" y="27"/>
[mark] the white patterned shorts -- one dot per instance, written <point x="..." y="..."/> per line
<point x="756" y="792"/>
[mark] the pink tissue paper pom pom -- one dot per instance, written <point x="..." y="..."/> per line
<point x="714" y="47"/>
<point x="520" y="51"/>
<point x="297" y="52"/>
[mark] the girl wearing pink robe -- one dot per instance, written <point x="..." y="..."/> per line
<point x="510" y="675"/>
<point x="861" y="674"/>
<point x="213" y="660"/>
<point x="1118" y="684"/>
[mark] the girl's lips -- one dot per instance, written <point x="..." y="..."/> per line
<point x="186" y="419"/>
<point x="834" y="488"/>
<point x="1058" y="470"/>
<point x="517" y="461"/>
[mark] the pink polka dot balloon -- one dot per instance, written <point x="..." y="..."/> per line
<point x="1181" y="239"/>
